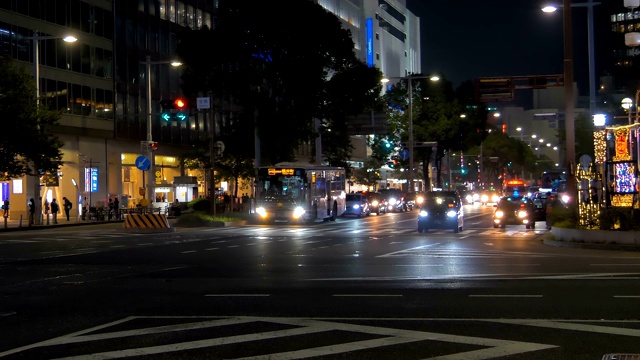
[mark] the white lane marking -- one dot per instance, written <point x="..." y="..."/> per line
<point x="232" y="246"/>
<point x="514" y="265"/>
<point x="143" y="244"/>
<point x="210" y="249"/>
<point x="237" y="295"/>
<point x="626" y="296"/>
<point x="571" y="325"/>
<point x="188" y="252"/>
<point x="504" y="296"/>
<point x="410" y="249"/>
<point x="418" y="265"/>
<point x="367" y="295"/>
<point x="614" y="264"/>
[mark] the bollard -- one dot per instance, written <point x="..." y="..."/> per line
<point x="20" y="223"/>
<point x="5" y="221"/>
<point x="47" y="218"/>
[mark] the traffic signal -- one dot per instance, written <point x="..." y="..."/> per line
<point x="153" y="145"/>
<point x="180" y="105"/>
<point x="463" y="170"/>
<point x="174" y="109"/>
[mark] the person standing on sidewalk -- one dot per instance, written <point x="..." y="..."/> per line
<point x="55" y="208"/>
<point x="5" y="208"/>
<point x="67" y="207"/>
<point x="32" y="211"/>
<point x="116" y="208"/>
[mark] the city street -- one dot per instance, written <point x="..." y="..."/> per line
<point x="354" y="288"/>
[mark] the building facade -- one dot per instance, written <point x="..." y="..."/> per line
<point x="101" y="86"/>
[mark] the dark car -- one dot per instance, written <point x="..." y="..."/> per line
<point x="395" y="199"/>
<point x="357" y="204"/>
<point x="514" y="211"/>
<point x="540" y="200"/>
<point x="413" y="200"/>
<point x="377" y="203"/>
<point x="441" y="210"/>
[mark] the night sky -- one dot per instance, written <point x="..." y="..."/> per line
<point x="466" y="39"/>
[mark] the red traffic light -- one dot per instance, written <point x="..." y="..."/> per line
<point x="180" y="103"/>
<point x="154" y="146"/>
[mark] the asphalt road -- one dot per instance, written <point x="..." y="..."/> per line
<point x="355" y="288"/>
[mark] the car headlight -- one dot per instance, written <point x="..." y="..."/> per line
<point x="522" y="214"/>
<point x="452" y="213"/>
<point x="476" y="197"/>
<point x="565" y="198"/>
<point x="420" y="200"/>
<point x="485" y="198"/>
<point x="261" y="211"/>
<point x="393" y="201"/>
<point x="469" y="198"/>
<point x="297" y="212"/>
<point x="356" y="206"/>
<point x="423" y="213"/>
<point x="374" y="203"/>
<point x="499" y="214"/>
<point x="495" y="198"/>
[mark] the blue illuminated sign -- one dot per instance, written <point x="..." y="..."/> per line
<point x="369" y="34"/>
<point x="91" y="179"/>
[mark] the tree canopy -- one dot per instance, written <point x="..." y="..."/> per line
<point x="27" y="145"/>
<point x="280" y="80"/>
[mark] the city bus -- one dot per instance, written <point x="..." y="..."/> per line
<point x="300" y="193"/>
<point x="514" y="187"/>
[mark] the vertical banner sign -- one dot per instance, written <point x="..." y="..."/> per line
<point x="91" y="179"/>
<point x="369" y="34"/>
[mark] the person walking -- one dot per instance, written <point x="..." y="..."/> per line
<point x="67" y="207"/>
<point x="5" y="208"/>
<point x="32" y="210"/>
<point x="110" y="209"/>
<point x="46" y="207"/>
<point x="55" y="208"/>
<point x="116" y="208"/>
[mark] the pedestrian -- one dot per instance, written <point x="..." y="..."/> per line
<point x="55" y="208"/>
<point x="116" y="208"/>
<point x="46" y="206"/>
<point x="67" y="207"/>
<point x="32" y="210"/>
<point x="110" y="209"/>
<point x="5" y="208"/>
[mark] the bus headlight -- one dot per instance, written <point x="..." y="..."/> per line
<point x="261" y="211"/>
<point x="297" y="212"/>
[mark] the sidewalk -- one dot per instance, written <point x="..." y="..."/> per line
<point x="16" y="225"/>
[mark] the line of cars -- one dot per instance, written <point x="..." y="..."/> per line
<point x="386" y="200"/>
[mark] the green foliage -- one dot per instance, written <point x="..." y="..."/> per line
<point x="624" y="219"/>
<point x="26" y="140"/>
<point x="200" y="204"/>
<point x="277" y="80"/>
<point x="563" y="216"/>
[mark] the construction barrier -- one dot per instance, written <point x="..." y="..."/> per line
<point x="147" y="222"/>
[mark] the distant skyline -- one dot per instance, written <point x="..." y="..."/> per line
<point x="467" y="39"/>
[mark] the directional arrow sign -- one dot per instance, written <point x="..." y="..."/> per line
<point x="143" y="163"/>
<point x="181" y="116"/>
<point x="166" y="116"/>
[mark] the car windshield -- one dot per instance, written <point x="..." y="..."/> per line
<point x="354" y="197"/>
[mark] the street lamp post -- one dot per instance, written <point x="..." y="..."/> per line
<point x="151" y="181"/>
<point x="36" y="75"/>
<point x="410" y="140"/>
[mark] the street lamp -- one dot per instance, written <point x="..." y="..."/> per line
<point x="36" y="56"/>
<point x="36" y="75"/>
<point x="151" y="181"/>
<point x="409" y="79"/>
<point x="591" y="47"/>
<point x="569" y="122"/>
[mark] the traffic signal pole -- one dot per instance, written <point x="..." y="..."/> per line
<point x="151" y="179"/>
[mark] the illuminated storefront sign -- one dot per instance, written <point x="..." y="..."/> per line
<point x="91" y="179"/>
<point x="622" y="200"/>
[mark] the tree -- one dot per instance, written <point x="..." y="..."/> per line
<point x="280" y="80"/>
<point x="27" y="143"/>
<point x="441" y="115"/>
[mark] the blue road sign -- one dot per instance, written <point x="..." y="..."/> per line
<point x="143" y="163"/>
<point x="404" y="154"/>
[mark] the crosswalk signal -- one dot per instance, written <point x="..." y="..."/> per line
<point x="153" y="145"/>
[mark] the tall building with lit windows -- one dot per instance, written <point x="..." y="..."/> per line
<point x="385" y="35"/>
<point x="101" y="86"/>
